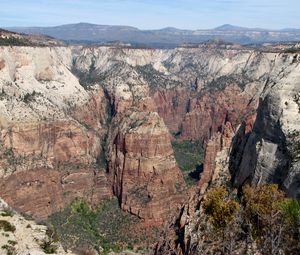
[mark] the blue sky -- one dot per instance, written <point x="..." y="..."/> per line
<point x="147" y="14"/>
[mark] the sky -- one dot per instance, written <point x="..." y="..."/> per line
<point x="153" y="14"/>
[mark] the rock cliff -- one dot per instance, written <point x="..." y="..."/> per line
<point x="270" y="153"/>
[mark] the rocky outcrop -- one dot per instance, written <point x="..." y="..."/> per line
<point x="218" y="144"/>
<point x="183" y="234"/>
<point x="22" y="236"/>
<point x="264" y="149"/>
<point x="53" y="144"/>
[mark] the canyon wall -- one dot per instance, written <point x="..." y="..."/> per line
<point x="50" y="147"/>
<point x="96" y="122"/>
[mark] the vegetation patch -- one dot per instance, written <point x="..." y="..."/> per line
<point x="155" y="78"/>
<point x="89" y="78"/>
<point x="263" y="217"/>
<point x="30" y="97"/>
<point x="7" y="212"/>
<point x="7" y="226"/>
<point x="105" y="228"/>
<point x="10" y="250"/>
<point x="294" y="145"/>
<point x="189" y="156"/>
<point x="292" y="50"/>
<point x="222" y="82"/>
<point x="48" y="247"/>
<point x="13" y="41"/>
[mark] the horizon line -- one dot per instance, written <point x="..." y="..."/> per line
<point x="167" y="27"/>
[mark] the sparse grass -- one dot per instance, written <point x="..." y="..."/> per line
<point x="48" y="247"/>
<point x="222" y="82"/>
<point x="89" y="78"/>
<point x="107" y="226"/>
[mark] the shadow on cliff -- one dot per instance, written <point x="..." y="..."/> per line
<point x="195" y="175"/>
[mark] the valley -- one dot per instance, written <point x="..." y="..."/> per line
<point x="135" y="138"/>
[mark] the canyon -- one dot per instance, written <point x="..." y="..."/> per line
<point x="93" y="123"/>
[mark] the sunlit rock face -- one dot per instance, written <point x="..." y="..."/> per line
<point x="270" y="153"/>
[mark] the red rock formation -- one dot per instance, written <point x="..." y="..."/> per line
<point x="42" y="192"/>
<point x="49" y="164"/>
<point x="172" y="106"/>
<point x="218" y="142"/>
<point x="52" y="143"/>
<point x="249" y="123"/>
<point x="144" y="172"/>
<point x="212" y="109"/>
<point x="198" y="116"/>
<point x="95" y="112"/>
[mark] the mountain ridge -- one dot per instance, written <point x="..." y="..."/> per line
<point x="165" y="37"/>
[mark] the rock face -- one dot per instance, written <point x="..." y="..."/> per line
<point x="41" y="192"/>
<point x="270" y="153"/>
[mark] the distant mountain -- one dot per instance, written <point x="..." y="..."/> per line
<point x="228" y="27"/>
<point x="167" y="37"/>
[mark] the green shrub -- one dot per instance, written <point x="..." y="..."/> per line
<point x="7" y="212"/>
<point x="48" y="247"/>
<point x="12" y="41"/>
<point x="219" y="207"/>
<point x="291" y="212"/>
<point x="12" y="242"/>
<point x="30" y="97"/>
